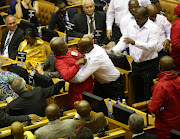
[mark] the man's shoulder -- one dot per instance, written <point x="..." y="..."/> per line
<point x="99" y="115"/>
<point x="19" y="31"/>
<point x="100" y="13"/>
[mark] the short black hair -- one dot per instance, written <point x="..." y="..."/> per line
<point x="84" y="133"/>
<point x="60" y="2"/>
<point x="31" y="32"/>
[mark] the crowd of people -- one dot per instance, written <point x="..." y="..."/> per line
<point x="105" y="28"/>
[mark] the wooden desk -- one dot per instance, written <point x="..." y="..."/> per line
<point x="114" y="129"/>
<point x="6" y="62"/>
<point x="150" y="129"/>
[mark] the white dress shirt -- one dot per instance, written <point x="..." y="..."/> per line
<point x="99" y="64"/>
<point x="89" y="22"/>
<point x="128" y="18"/>
<point x="134" y="135"/>
<point x="10" y="34"/>
<point x="164" y="29"/>
<point x="146" y="39"/>
<point x="118" y="9"/>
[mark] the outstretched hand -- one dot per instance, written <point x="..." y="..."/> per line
<point x="81" y="61"/>
<point x="129" y="41"/>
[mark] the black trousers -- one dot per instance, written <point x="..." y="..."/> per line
<point x="111" y="90"/>
<point x="142" y="78"/>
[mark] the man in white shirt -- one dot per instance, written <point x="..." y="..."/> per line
<point x="142" y="38"/>
<point x="11" y="38"/>
<point x="128" y="18"/>
<point x="116" y="11"/>
<point x="109" y="82"/>
<point x="164" y="28"/>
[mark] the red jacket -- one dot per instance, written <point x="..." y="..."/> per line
<point x="175" y="40"/>
<point x="67" y="68"/>
<point x="166" y="93"/>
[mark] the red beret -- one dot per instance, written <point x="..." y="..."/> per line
<point x="177" y="9"/>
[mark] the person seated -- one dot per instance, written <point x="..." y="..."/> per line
<point x="89" y="21"/>
<point x="11" y="38"/>
<point x="67" y="65"/>
<point x="61" y="16"/>
<point x="28" y="10"/>
<point x="55" y="127"/>
<point x="48" y="63"/>
<point x="30" y="101"/>
<point x="136" y="125"/>
<point x="18" y="132"/>
<point x="7" y="120"/>
<point x="165" y="101"/>
<point x="34" y="48"/>
<point x="84" y="133"/>
<point x="5" y="88"/>
<point x="11" y="10"/>
<point x="93" y="122"/>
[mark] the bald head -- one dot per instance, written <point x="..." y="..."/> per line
<point x="83" y="108"/>
<point x="52" y="112"/>
<point x="153" y="11"/>
<point x="58" y="46"/>
<point x="85" y="45"/>
<point x="17" y="130"/>
<point x="18" y="85"/>
<point x="166" y="63"/>
<point x="141" y="16"/>
<point x="133" y="5"/>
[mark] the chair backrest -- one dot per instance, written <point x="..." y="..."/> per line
<point x="45" y="10"/>
<point x="168" y="7"/>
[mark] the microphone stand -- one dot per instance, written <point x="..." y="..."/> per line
<point x="68" y="26"/>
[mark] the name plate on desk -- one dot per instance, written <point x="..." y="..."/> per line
<point x="22" y="56"/>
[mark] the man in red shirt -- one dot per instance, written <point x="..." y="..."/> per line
<point x="175" y="40"/>
<point x="68" y="63"/>
<point x="165" y="103"/>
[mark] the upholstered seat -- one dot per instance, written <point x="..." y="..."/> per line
<point x="168" y="7"/>
<point x="45" y="10"/>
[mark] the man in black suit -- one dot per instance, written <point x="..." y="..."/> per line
<point x="136" y="125"/>
<point x="11" y="38"/>
<point x="30" y="101"/>
<point x="62" y="16"/>
<point x="89" y="21"/>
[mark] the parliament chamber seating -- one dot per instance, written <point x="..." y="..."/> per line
<point x="168" y="7"/>
<point x="45" y="10"/>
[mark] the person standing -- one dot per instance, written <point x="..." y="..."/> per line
<point x="142" y="38"/>
<point x="165" y="101"/>
<point x="175" y="40"/>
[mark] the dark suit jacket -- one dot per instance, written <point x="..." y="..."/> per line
<point x="50" y="63"/>
<point x="58" y="19"/>
<point x="33" y="101"/>
<point x="81" y="27"/>
<point x="17" y="38"/>
<point x="146" y="136"/>
<point x="7" y="120"/>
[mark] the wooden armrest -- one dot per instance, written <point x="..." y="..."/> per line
<point x="141" y="105"/>
<point x="5" y="7"/>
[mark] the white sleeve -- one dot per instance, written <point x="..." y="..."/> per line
<point x="167" y="26"/>
<point x="144" y="2"/>
<point x="87" y="70"/>
<point x="110" y="15"/>
<point x="120" y="46"/>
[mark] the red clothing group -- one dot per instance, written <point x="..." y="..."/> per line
<point x="67" y="68"/>
<point x="175" y="41"/>
<point x="165" y="104"/>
